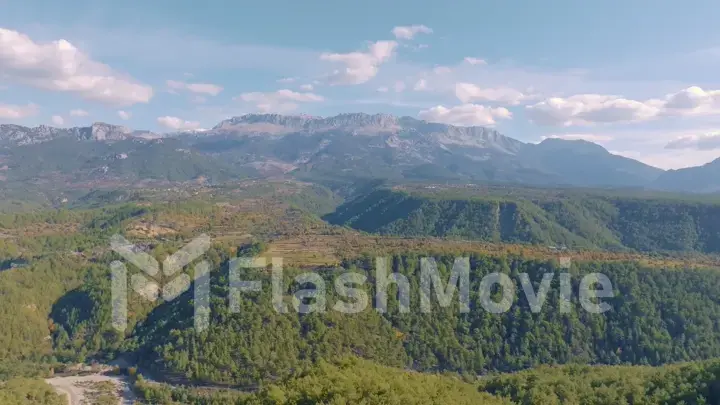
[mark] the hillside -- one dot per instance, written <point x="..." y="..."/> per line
<point x="692" y="179"/>
<point x="349" y="381"/>
<point x="575" y="219"/>
<point x="586" y="164"/>
<point x="58" y="300"/>
<point x="360" y="382"/>
<point x="477" y="342"/>
<point x="72" y="162"/>
<point x="669" y="315"/>
<point x="692" y="383"/>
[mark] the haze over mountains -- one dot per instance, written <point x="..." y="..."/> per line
<point x="344" y="146"/>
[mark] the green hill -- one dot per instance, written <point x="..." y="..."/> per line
<point x="354" y="381"/>
<point x="347" y="381"/>
<point x="578" y="219"/>
<point x="692" y="383"/>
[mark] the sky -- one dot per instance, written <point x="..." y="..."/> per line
<point x="637" y="77"/>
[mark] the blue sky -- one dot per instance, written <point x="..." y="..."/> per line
<point x="638" y="77"/>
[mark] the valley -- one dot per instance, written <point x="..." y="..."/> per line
<point x="358" y="203"/>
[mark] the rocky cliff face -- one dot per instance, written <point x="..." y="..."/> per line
<point x="369" y="125"/>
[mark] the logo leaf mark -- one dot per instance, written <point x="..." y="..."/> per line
<point x="127" y="250"/>
<point x="194" y="249"/>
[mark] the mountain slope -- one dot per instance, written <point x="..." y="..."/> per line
<point x="384" y="146"/>
<point x="133" y="159"/>
<point x="369" y="145"/>
<point x="258" y="344"/>
<point x="578" y="220"/>
<point x="587" y="164"/>
<point x="700" y="179"/>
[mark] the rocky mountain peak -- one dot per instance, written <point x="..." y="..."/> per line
<point x="296" y="122"/>
<point x="478" y="137"/>
<point x="573" y="145"/>
<point x="358" y="120"/>
<point x="352" y="121"/>
<point x="20" y="135"/>
<point x="100" y="131"/>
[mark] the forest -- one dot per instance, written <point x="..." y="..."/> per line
<point x="23" y="391"/>
<point x="656" y="317"/>
<point x="574" y="219"/>
<point x="354" y="381"/>
<point x="652" y="347"/>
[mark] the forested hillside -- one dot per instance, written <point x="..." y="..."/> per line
<point x="55" y="305"/>
<point x="611" y="221"/>
<point x="657" y="317"/>
<point x="353" y="381"/>
<point x="347" y="381"/>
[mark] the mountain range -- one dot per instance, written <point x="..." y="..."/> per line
<point x="342" y="147"/>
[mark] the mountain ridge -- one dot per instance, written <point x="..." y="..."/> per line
<point x="384" y="146"/>
<point x="98" y="131"/>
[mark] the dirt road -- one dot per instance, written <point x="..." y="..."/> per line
<point x="75" y="390"/>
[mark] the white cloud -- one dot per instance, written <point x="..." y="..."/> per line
<point x="619" y="110"/>
<point x="399" y="86"/>
<point x="279" y="101"/>
<point x="409" y="31"/>
<point x="57" y="120"/>
<point x="465" y="114"/>
<point x="124" y="115"/>
<point x="198" y="88"/>
<point x="420" y="85"/>
<point x="60" y="66"/>
<point x="587" y="109"/>
<point x="306" y="87"/>
<point x="79" y="113"/>
<point x="382" y="89"/>
<point x="468" y="92"/>
<point x="441" y="70"/>
<point x="286" y="80"/>
<point x="709" y="141"/>
<point x="693" y="101"/>
<point x="360" y="66"/>
<point x="177" y="124"/>
<point x="475" y="61"/>
<point x="9" y="111"/>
